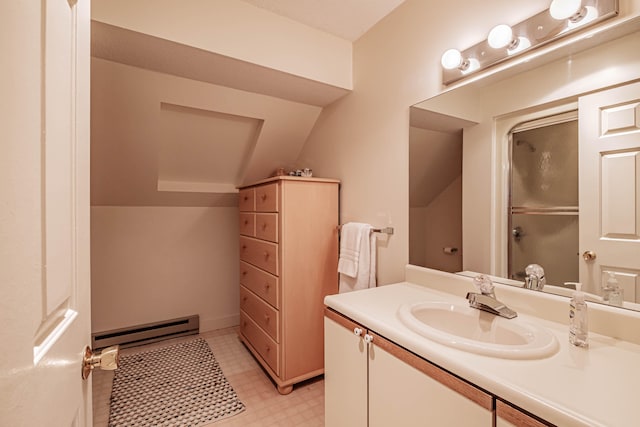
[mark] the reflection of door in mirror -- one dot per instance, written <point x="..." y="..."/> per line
<point x="435" y="198"/>
<point x="610" y="188"/>
<point x="543" y="208"/>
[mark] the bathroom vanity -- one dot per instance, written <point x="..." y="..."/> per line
<point x="379" y="371"/>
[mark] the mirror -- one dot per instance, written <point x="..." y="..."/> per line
<point x="473" y="119"/>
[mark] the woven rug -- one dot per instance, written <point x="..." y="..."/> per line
<point x="177" y="385"/>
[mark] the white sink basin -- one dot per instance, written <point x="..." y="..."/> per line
<point x="477" y="331"/>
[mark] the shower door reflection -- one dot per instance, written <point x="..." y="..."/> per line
<point x="543" y="201"/>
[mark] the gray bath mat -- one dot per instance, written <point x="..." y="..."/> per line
<point x="177" y="385"/>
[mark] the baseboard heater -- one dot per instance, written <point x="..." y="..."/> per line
<point x="147" y="333"/>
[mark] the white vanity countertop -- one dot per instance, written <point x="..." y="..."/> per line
<point x="574" y="387"/>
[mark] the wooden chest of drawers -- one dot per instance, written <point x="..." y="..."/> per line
<point x="288" y="263"/>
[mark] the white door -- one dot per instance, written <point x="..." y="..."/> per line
<point x="610" y="188"/>
<point x="44" y="212"/>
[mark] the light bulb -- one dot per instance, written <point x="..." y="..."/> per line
<point x="522" y="44"/>
<point x="451" y="59"/>
<point x="591" y="14"/>
<point x="564" y="9"/>
<point x="500" y="36"/>
<point x="470" y="65"/>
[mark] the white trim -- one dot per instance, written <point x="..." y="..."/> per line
<point x="39" y="351"/>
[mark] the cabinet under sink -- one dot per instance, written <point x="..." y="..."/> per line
<point x="372" y="381"/>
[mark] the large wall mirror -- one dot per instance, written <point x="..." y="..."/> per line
<point x="540" y="160"/>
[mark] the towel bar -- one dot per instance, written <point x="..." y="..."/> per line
<point x="385" y="230"/>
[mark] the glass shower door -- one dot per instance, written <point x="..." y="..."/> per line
<point x="543" y="202"/>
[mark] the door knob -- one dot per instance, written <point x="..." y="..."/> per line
<point x="517" y="233"/>
<point x="589" y="255"/>
<point x="107" y="360"/>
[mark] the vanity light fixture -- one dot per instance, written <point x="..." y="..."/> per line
<point x="501" y="36"/>
<point x="565" y="9"/>
<point x="452" y="60"/>
<point x="586" y="15"/>
<point x="504" y="42"/>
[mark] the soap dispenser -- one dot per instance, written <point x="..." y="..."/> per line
<point x="578" y="318"/>
<point x="606" y="287"/>
<point x="615" y="293"/>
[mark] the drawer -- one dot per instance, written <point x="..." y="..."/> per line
<point x="248" y="223"/>
<point x="260" y="341"/>
<point x="261" y="283"/>
<point x="266" y="198"/>
<point x="260" y="312"/>
<point x="247" y="199"/>
<point x="259" y="253"/>
<point x="266" y="226"/>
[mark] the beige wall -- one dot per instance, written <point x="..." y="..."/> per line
<point x="435" y="227"/>
<point x="158" y="263"/>
<point x="363" y="138"/>
<point x="157" y="255"/>
<point x="435" y="198"/>
<point x="443" y="217"/>
<point x="417" y="238"/>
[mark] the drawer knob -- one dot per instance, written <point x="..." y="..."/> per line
<point x="266" y="286"/>
<point x="266" y="255"/>
<point x="357" y="332"/>
<point x="267" y="349"/>
<point x="266" y="318"/>
<point x="244" y="273"/>
<point x="264" y="197"/>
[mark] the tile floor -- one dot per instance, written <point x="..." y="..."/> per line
<point x="265" y="407"/>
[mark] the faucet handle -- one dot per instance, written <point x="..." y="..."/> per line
<point x="534" y="269"/>
<point x="534" y="277"/>
<point x="484" y="284"/>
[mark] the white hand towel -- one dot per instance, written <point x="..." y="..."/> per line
<point x="352" y="234"/>
<point x="364" y="259"/>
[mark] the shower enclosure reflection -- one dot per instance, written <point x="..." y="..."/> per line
<point x="543" y="208"/>
<point x="597" y="76"/>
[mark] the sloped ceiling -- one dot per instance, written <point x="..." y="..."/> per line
<point x="163" y="140"/>
<point x="175" y="122"/>
<point x="435" y="154"/>
<point x="242" y="123"/>
<point x="153" y="53"/>
<point x="348" y="19"/>
<point x="202" y="150"/>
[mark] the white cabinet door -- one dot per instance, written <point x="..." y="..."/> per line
<point x="380" y="384"/>
<point x="345" y="378"/>
<point x="610" y="187"/>
<point x="44" y="213"/>
<point x="405" y="390"/>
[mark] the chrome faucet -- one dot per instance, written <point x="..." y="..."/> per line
<point x="534" y="277"/>
<point x="486" y="299"/>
